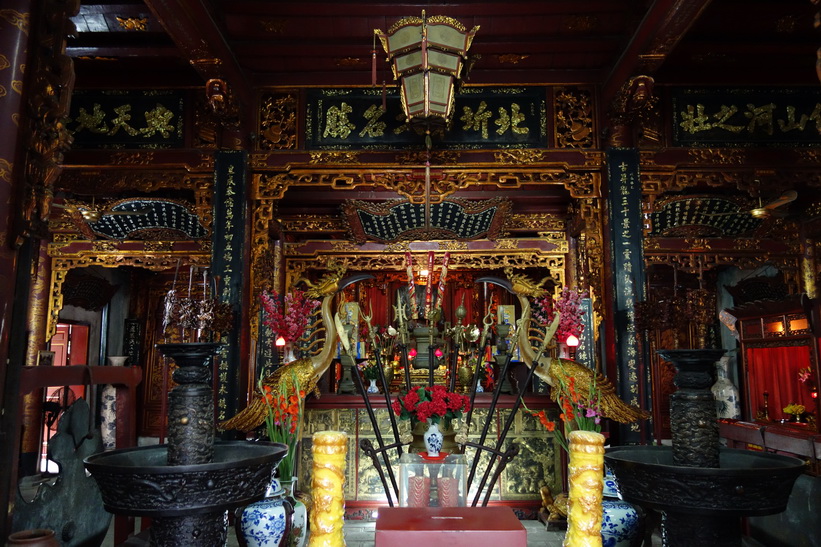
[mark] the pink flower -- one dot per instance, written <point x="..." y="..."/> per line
<point x="569" y="306"/>
<point x="290" y="322"/>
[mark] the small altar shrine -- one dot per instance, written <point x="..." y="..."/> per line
<point x="779" y="362"/>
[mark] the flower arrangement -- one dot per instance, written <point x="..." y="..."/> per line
<point x="369" y="370"/>
<point x="431" y="403"/>
<point x="568" y="305"/>
<point x="794" y="409"/>
<point x="543" y="311"/>
<point x="290" y="322"/>
<point x="283" y="420"/>
<point x="578" y="411"/>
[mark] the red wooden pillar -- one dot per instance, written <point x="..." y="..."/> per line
<point x="15" y="34"/>
<point x="14" y="43"/>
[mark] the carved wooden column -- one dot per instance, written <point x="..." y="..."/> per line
<point x="633" y="101"/>
<point x="633" y="104"/>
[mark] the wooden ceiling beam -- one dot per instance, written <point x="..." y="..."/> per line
<point x="192" y="28"/>
<point x="124" y="52"/>
<point x="663" y="26"/>
<point x="392" y="11"/>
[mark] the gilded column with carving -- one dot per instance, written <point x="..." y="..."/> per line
<point x="32" y="411"/>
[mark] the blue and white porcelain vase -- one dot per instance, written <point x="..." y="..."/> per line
<point x="728" y="399"/>
<point x="372" y="388"/>
<point x="263" y="523"/>
<point x="433" y="439"/>
<point x="108" y="407"/>
<point x="621" y="521"/>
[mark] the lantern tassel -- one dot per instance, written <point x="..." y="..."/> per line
<point x="373" y="68"/>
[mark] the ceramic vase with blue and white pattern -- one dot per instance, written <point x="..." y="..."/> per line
<point x="433" y="439"/>
<point x="262" y="523"/>
<point x="621" y="521"/>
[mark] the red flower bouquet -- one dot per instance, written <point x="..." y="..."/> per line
<point x="431" y="403"/>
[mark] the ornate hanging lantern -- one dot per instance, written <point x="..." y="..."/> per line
<point x="428" y="57"/>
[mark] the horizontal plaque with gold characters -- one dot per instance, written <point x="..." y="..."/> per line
<point x="483" y="118"/>
<point x="746" y="116"/>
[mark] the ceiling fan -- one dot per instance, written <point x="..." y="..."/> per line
<point x="766" y="210"/>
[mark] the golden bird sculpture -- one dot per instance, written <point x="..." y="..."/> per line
<point x="610" y="404"/>
<point x="307" y="371"/>
<point x="280" y="381"/>
<point x="551" y="369"/>
<point x="522" y="285"/>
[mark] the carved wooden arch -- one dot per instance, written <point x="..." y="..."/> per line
<point x="410" y="182"/>
<point x="579" y="173"/>
<point x="518" y="254"/>
<point x="137" y="256"/>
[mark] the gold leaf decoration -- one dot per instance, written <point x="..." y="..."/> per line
<point x="132" y="23"/>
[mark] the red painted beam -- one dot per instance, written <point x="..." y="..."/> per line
<point x="664" y="25"/>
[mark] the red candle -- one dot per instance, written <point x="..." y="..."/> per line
<point x="418" y="491"/>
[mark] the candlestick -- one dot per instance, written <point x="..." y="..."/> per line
<point x="328" y="499"/>
<point x="176" y="273"/>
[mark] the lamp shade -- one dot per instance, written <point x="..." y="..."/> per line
<point x="427" y="56"/>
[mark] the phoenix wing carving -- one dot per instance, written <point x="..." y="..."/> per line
<point x="611" y="406"/>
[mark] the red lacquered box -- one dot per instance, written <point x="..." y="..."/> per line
<point x="450" y="526"/>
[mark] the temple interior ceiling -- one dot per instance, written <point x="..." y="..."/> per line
<point x="267" y="65"/>
<point x="324" y="43"/>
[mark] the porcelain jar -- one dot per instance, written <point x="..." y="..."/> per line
<point x="621" y="521"/>
<point x="34" y="538"/>
<point x="263" y="523"/>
